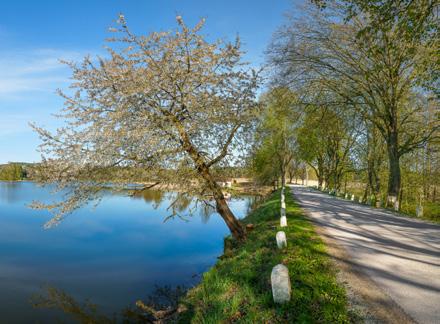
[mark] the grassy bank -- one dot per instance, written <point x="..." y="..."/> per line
<point x="237" y="288"/>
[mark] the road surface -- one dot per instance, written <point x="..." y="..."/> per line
<point x="401" y="255"/>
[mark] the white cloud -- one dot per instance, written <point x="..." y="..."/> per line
<point x="28" y="80"/>
<point x="11" y="124"/>
<point x="33" y="70"/>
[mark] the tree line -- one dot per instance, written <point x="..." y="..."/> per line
<point x="13" y="172"/>
<point x="365" y="79"/>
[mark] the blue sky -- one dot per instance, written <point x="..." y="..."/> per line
<point x="34" y="35"/>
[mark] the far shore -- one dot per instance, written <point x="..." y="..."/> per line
<point x="237" y="188"/>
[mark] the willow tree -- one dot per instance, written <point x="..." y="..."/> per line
<point x="169" y="103"/>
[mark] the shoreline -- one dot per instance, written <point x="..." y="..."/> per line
<point x="235" y="190"/>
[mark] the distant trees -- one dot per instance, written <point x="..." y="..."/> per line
<point x="275" y="137"/>
<point x="326" y="137"/>
<point x="170" y="103"/>
<point x="12" y="172"/>
<point x="296" y="168"/>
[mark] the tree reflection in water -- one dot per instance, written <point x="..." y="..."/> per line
<point x="162" y="306"/>
<point x="8" y="192"/>
<point x="155" y="197"/>
<point x="184" y="205"/>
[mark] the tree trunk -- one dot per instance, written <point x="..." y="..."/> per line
<point x="370" y="170"/>
<point x="377" y="185"/>
<point x="320" y="180"/>
<point x="394" y="179"/>
<point x="225" y="212"/>
<point x="222" y="207"/>
<point x="283" y="175"/>
<point x="401" y="198"/>
<point x="366" y="193"/>
<point x="345" y="184"/>
<point x="283" y="180"/>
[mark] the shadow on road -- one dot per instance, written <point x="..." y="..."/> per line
<point x="401" y="254"/>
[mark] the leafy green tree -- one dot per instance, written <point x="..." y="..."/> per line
<point x="326" y="139"/>
<point x="374" y="71"/>
<point x="12" y="172"/>
<point x="275" y="135"/>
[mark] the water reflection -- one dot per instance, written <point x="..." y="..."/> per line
<point x="114" y="254"/>
<point x="150" y="196"/>
<point x="9" y="192"/>
<point x="184" y="205"/>
<point x="161" y="306"/>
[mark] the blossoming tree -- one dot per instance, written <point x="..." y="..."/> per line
<point x="170" y="104"/>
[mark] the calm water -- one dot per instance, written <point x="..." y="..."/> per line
<point x="113" y="255"/>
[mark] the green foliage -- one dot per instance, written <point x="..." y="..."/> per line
<point x="275" y="136"/>
<point x="12" y="172"/>
<point x="237" y="288"/>
<point x="326" y="138"/>
<point x="378" y="59"/>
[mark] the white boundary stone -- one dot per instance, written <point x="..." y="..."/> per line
<point x="281" y="239"/>
<point x="280" y="280"/>
<point x="419" y="211"/>
<point x="283" y="221"/>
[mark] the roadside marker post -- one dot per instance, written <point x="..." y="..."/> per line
<point x="281" y="288"/>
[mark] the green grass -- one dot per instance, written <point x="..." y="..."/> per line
<point x="237" y="289"/>
<point x="431" y="211"/>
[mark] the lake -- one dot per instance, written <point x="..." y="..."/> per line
<point x="114" y="254"/>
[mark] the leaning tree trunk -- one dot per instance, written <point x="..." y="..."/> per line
<point x="394" y="179"/>
<point x="225" y="212"/>
<point x="222" y="207"/>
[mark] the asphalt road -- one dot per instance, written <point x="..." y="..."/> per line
<point x="401" y="255"/>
